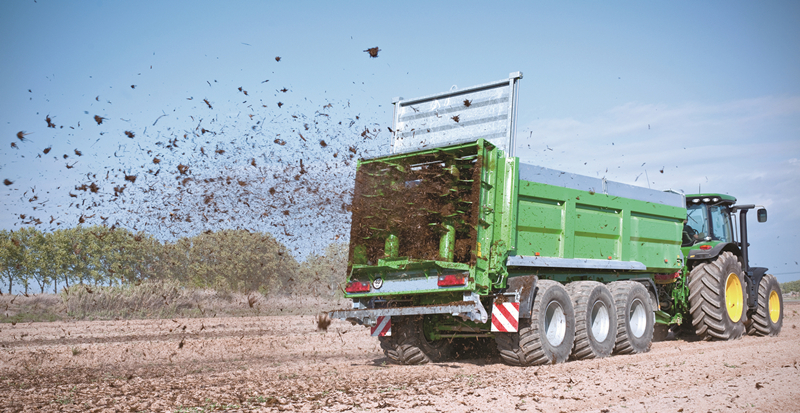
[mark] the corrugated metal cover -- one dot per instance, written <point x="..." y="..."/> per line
<point x="486" y="111"/>
<point x="534" y="173"/>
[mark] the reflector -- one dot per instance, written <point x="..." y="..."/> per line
<point x="357" y="287"/>
<point x="450" y="280"/>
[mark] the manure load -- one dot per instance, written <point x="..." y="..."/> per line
<point x="455" y="239"/>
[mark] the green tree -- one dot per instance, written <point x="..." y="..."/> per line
<point x="12" y="257"/>
<point x="36" y="263"/>
<point x="234" y="260"/>
<point x="323" y="274"/>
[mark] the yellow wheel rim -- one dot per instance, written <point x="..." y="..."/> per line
<point x="734" y="300"/>
<point x="774" y="306"/>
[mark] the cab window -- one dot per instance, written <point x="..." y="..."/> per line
<point x="695" y="230"/>
<point x="720" y="223"/>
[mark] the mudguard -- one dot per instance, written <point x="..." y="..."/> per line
<point x="525" y="286"/>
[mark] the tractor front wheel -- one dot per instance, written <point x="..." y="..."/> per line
<point x="768" y="318"/>
<point x="408" y="343"/>
<point x="718" y="298"/>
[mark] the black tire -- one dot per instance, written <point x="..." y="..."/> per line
<point x="408" y="345"/>
<point x="768" y="318"/>
<point x="545" y="338"/>
<point x="718" y="298"/>
<point x="635" y="317"/>
<point x="595" y="320"/>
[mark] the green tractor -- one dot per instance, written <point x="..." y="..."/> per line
<point x="722" y="294"/>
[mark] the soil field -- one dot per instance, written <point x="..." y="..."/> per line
<point x="281" y="363"/>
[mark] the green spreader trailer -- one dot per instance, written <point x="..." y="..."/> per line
<point x="454" y="242"/>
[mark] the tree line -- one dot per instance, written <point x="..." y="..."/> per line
<point x="230" y="260"/>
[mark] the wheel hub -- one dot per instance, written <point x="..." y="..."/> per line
<point x="734" y="300"/>
<point x="555" y="324"/>
<point x="600" y="321"/>
<point x="638" y="318"/>
<point x="774" y="306"/>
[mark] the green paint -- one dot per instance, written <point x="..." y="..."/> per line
<point x="447" y="243"/>
<point x="392" y="246"/>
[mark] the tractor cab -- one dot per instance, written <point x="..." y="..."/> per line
<point x="708" y="221"/>
<point x="710" y="229"/>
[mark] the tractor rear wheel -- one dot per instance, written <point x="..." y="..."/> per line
<point x="545" y="338"/>
<point x="717" y="298"/>
<point x="595" y="320"/>
<point x="408" y="343"/>
<point x="635" y="317"/>
<point x="768" y="318"/>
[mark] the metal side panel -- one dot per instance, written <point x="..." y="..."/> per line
<point x="485" y="111"/>
<point x="401" y="311"/>
<point x="471" y="308"/>
<point x="581" y="263"/>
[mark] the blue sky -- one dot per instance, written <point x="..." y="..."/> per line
<point x="708" y="92"/>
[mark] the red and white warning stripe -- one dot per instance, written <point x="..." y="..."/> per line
<point x="382" y="328"/>
<point x="505" y="317"/>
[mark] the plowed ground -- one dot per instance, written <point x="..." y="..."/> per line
<point x="284" y="364"/>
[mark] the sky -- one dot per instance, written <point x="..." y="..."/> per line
<point x="671" y="95"/>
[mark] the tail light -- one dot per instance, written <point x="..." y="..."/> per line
<point x="357" y="287"/>
<point x="451" y="280"/>
<point x="705" y="247"/>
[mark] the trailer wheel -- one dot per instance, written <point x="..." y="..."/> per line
<point x="546" y="337"/>
<point x="768" y="318"/>
<point x="718" y="298"/>
<point x="635" y="317"/>
<point x="595" y="320"/>
<point x="408" y="344"/>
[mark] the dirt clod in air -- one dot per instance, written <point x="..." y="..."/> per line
<point x="323" y="322"/>
<point x="373" y="51"/>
